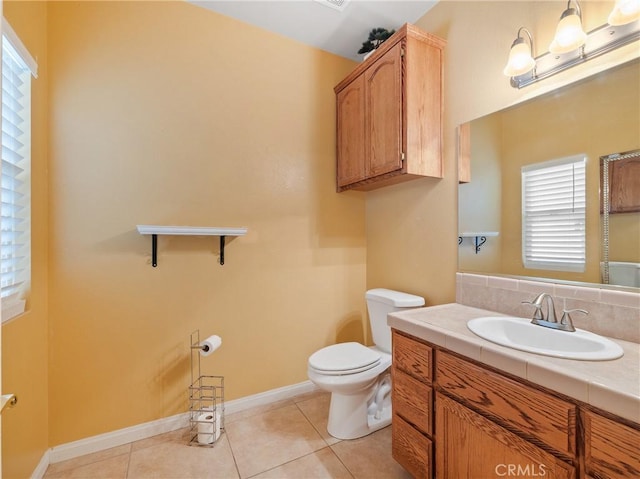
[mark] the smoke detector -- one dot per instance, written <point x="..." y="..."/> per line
<point x="335" y="4"/>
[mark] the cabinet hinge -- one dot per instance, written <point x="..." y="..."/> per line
<point x="402" y="158"/>
<point x="402" y="52"/>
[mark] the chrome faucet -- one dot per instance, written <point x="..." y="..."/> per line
<point x="551" y="320"/>
<point x="538" y="303"/>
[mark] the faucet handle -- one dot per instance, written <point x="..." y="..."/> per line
<point x="566" y="318"/>
<point x="537" y="315"/>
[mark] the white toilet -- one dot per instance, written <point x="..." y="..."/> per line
<point x="357" y="376"/>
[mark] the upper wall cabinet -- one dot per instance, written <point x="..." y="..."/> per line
<point x="389" y="114"/>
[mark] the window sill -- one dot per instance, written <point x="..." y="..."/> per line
<point x="12" y="308"/>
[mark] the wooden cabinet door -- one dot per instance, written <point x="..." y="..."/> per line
<point x="464" y="153"/>
<point x="624" y="185"/>
<point x="351" y="133"/>
<point x="383" y="113"/>
<point x="612" y="450"/>
<point x="470" y="445"/>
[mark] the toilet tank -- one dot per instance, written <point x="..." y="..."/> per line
<point x="381" y="302"/>
<point x="623" y="273"/>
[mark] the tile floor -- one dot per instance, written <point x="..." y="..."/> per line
<point x="287" y="439"/>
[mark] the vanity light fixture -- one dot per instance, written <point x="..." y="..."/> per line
<point x="569" y="33"/>
<point x="623" y="27"/>
<point x="521" y="55"/>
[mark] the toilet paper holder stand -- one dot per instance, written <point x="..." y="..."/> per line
<point x="206" y="400"/>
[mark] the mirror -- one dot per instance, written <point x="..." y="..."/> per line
<point x="596" y="116"/>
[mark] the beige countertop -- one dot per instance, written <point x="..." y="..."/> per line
<point x="612" y="386"/>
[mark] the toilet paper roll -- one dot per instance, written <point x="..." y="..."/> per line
<point x="207" y="426"/>
<point x="209" y="345"/>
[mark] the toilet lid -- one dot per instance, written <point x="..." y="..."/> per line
<point x="344" y="358"/>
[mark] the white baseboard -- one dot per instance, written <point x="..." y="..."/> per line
<point x="117" y="438"/>
<point x="269" y="397"/>
<point x="41" y="468"/>
<point x="108" y="440"/>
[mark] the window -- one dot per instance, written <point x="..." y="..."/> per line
<point x="15" y="227"/>
<point x="553" y="215"/>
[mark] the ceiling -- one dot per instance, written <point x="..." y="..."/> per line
<point x="314" y="23"/>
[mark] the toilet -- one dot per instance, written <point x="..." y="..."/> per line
<point x="359" y="377"/>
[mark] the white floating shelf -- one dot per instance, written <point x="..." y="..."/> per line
<point x="190" y="230"/>
<point x="473" y="235"/>
<point x="154" y="231"/>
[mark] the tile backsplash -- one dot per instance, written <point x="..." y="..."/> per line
<point x="612" y="313"/>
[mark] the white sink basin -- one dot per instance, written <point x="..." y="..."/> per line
<point x="519" y="333"/>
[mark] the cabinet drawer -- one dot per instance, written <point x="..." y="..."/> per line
<point x="611" y="448"/>
<point x="410" y="449"/>
<point x="537" y="416"/>
<point x="413" y="400"/>
<point x="412" y="356"/>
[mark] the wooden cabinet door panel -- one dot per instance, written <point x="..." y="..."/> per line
<point x="464" y="153"/>
<point x="611" y="449"/>
<point x="471" y="446"/>
<point x="383" y="113"/>
<point x="422" y="89"/>
<point x="535" y="414"/>
<point x="351" y="133"/>
<point x="412" y="356"/>
<point x="624" y="185"/>
<point x="412" y="400"/>
<point x="410" y="449"/>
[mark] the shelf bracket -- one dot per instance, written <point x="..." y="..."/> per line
<point x="479" y="241"/>
<point x="154" y="250"/>
<point x="479" y="238"/>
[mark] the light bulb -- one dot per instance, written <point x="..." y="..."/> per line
<point x="569" y="34"/>
<point x="520" y="60"/>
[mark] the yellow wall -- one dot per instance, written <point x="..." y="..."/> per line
<point x="25" y="338"/>
<point x="166" y="113"/>
<point x="624" y="237"/>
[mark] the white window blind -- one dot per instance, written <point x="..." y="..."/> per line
<point x="15" y="227"/>
<point x="554" y="214"/>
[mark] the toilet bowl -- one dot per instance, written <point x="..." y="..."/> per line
<point x="358" y="376"/>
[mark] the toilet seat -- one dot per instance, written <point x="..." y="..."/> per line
<point x="343" y="359"/>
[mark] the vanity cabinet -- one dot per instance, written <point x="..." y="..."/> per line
<point x="456" y="418"/>
<point x="389" y="114"/>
